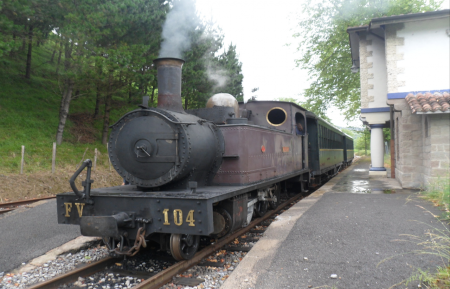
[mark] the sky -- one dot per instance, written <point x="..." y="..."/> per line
<point x="262" y="32"/>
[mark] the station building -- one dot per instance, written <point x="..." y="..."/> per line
<point x="404" y="67"/>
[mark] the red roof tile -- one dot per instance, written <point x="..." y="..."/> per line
<point x="429" y="103"/>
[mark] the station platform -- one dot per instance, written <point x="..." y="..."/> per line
<point x="354" y="232"/>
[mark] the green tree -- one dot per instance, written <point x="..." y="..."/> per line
<point x="362" y="140"/>
<point x="25" y="19"/>
<point x="229" y="63"/>
<point x="207" y="72"/>
<point x="325" y="47"/>
<point x="198" y="42"/>
<point x="108" y="45"/>
<point x="306" y="105"/>
<point x="197" y="81"/>
<point x="350" y="132"/>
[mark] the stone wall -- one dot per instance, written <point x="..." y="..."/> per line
<point x="437" y="165"/>
<point x="392" y="43"/>
<point x="409" y="146"/>
<point x="364" y="70"/>
<point x="426" y="141"/>
<point x="422" y="144"/>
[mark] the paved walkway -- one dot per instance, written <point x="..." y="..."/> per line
<point x="348" y="228"/>
<point x="27" y="233"/>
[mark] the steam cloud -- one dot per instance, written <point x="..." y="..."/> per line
<point x="217" y="75"/>
<point x="179" y="22"/>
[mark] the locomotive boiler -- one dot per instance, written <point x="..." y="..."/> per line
<point x="202" y="172"/>
<point x="164" y="146"/>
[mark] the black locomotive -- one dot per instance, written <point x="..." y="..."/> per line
<point x="203" y="172"/>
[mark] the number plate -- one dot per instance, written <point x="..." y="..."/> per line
<point x="183" y="217"/>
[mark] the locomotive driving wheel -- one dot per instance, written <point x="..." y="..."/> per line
<point x="275" y="195"/>
<point x="183" y="246"/>
<point x="261" y="208"/>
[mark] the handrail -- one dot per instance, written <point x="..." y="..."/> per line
<point x="85" y="194"/>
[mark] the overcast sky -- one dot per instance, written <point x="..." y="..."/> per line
<point x="260" y="29"/>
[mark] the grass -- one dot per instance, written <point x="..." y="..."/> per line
<point x="439" y="194"/>
<point x="362" y="152"/>
<point x="387" y="160"/>
<point x="29" y="115"/>
<point x="437" y="241"/>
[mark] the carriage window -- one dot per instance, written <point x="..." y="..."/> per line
<point x="320" y="135"/>
<point x="328" y="139"/>
<point x="276" y="116"/>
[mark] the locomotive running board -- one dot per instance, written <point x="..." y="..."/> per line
<point x="171" y="211"/>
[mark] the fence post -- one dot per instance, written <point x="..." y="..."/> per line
<point x="95" y="158"/>
<point x="21" y="162"/>
<point x="53" y="158"/>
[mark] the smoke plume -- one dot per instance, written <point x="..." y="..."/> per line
<point x="217" y="75"/>
<point x="180" y="21"/>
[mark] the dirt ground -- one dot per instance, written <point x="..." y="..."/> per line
<point x="15" y="187"/>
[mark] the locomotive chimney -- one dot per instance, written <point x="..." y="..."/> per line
<point x="169" y="83"/>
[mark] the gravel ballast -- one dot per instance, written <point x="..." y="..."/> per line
<point x="63" y="264"/>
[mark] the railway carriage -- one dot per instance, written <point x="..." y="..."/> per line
<point x="326" y="148"/>
<point x="202" y="172"/>
<point x="349" y="153"/>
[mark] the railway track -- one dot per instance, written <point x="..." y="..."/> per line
<point x="159" y="279"/>
<point x="11" y="206"/>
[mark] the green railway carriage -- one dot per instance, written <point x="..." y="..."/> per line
<point x="326" y="146"/>
<point x="349" y="152"/>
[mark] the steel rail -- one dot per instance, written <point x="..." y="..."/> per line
<point x="165" y="276"/>
<point x="12" y="205"/>
<point x="24" y="202"/>
<point x="6" y="210"/>
<point x="72" y="276"/>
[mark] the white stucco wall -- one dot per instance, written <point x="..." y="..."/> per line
<point x="376" y="117"/>
<point x="426" y="55"/>
<point x="377" y="78"/>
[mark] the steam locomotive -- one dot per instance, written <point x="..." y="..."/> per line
<point x="202" y="172"/>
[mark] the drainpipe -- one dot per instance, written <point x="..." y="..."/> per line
<point x="393" y="152"/>
<point x="392" y="141"/>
